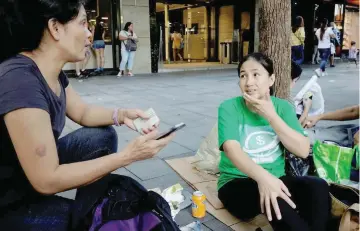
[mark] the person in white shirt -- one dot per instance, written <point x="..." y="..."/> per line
<point x="312" y="103"/>
<point x="324" y="34"/>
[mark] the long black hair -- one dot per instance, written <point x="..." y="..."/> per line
<point x="323" y="25"/>
<point x="23" y="22"/>
<point x="264" y="60"/>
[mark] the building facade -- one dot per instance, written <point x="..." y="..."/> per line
<point x="209" y="29"/>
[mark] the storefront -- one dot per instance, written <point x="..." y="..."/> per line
<point x="351" y="24"/>
<point x="203" y="27"/>
<point x="108" y="11"/>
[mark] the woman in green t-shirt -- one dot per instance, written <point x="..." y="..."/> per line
<point x="254" y="130"/>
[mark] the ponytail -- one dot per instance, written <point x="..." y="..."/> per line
<point x="323" y="27"/>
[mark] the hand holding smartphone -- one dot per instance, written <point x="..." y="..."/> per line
<point x="171" y="130"/>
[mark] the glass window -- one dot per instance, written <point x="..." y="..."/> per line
<point x="101" y="8"/>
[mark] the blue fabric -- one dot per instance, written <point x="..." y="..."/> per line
<point x="324" y="55"/>
<point x="127" y="57"/>
<point x="52" y="213"/>
<point x="297" y="54"/>
<point x="98" y="44"/>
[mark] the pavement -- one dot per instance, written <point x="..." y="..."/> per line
<point x="192" y="98"/>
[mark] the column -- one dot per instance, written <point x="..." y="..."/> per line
<point x="188" y="34"/>
<point x="167" y="33"/>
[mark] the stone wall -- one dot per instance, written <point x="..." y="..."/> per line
<point x="137" y="12"/>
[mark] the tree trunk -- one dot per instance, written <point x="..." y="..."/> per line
<point x="274" y="32"/>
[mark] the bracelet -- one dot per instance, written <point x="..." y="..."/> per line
<point x="115" y="117"/>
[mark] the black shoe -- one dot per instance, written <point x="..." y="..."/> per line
<point x="332" y="65"/>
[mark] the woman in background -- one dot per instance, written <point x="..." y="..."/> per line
<point x="297" y="41"/>
<point x="98" y="34"/>
<point x="324" y="34"/>
<point x="128" y="41"/>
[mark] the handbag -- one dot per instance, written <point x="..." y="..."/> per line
<point x="344" y="205"/>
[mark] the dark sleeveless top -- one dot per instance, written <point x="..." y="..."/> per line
<point x="99" y="30"/>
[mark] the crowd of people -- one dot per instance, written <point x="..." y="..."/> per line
<point x="326" y="41"/>
<point x="36" y="97"/>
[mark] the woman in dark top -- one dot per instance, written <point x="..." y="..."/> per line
<point x="35" y="98"/>
<point x="99" y="44"/>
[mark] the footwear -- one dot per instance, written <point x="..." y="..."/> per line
<point x="318" y="72"/>
<point x="130" y="74"/>
<point x="120" y="74"/>
<point x="332" y="65"/>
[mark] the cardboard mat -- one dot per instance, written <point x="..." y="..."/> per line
<point x="207" y="184"/>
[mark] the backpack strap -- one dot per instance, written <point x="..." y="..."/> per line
<point x="161" y="207"/>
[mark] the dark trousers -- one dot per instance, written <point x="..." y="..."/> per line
<point x="52" y="213"/>
<point x="297" y="54"/>
<point x="311" y="196"/>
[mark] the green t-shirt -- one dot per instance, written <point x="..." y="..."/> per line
<point x="255" y="135"/>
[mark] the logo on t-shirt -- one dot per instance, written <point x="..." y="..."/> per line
<point x="260" y="143"/>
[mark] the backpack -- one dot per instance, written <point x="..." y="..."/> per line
<point x="118" y="203"/>
<point x="130" y="45"/>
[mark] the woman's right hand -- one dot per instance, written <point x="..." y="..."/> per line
<point x="270" y="188"/>
<point x="146" y="147"/>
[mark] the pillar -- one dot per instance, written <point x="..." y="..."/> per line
<point x="167" y="32"/>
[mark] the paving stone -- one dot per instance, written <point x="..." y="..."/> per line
<point x="185" y="217"/>
<point x="125" y="172"/>
<point x="173" y="149"/>
<point x="189" y="139"/>
<point x="70" y="194"/>
<point x="165" y="181"/>
<point x="217" y="225"/>
<point x="149" y="169"/>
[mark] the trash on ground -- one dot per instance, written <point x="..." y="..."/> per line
<point x="177" y="198"/>
<point x="195" y="226"/>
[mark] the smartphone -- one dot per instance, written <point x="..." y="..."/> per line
<point x="173" y="129"/>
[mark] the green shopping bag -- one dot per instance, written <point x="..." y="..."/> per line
<point x="332" y="162"/>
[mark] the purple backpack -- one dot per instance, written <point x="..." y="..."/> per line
<point x="125" y="205"/>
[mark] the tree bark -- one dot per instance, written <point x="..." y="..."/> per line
<point x="274" y="33"/>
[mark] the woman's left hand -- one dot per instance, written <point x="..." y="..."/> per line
<point x="263" y="107"/>
<point x="127" y="117"/>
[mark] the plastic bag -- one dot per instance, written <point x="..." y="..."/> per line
<point x="332" y="162"/>
<point x="209" y="153"/>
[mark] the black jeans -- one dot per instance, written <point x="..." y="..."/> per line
<point x="311" y="196"/>
<point x="52" y="213"/>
